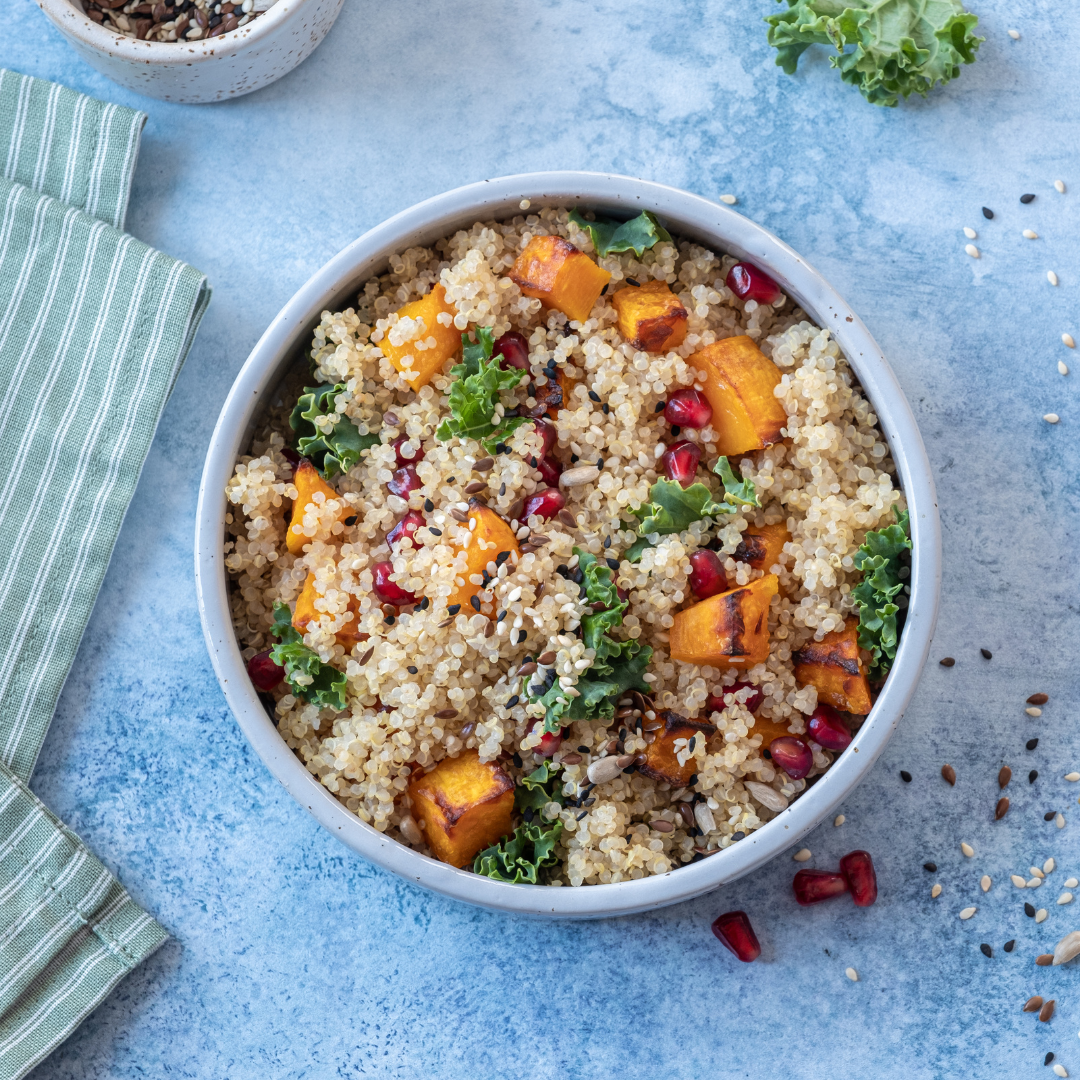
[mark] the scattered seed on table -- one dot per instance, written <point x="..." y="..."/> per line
<point x="1046" y="1011"/>
<point x="1015" y="35"/>
<point x="1051" y="277"/>
<point x="1049" y="1057"/>
<point x="1060" y="1070"/>
<point x="1071" y="883"/>
<point x="730" y="200"/>
<point x="801" y="855"/>
<point x="1009" y="945"/>
<point x="988" y="213"/>
<point x="1059" y="186"/>
<point x="1040" y="915"/>
<point x="970" y="233"/>
<point x="968" y="912"/>
<point x="1063" y="368"/>
<point x="932" y="867"/>
<point x="986" y="950"/>
<point x="1068" y="339"/>
<point x="1048" y="816"/>
<point x="839" y="820"/>
<point x="1065" y="898"/>
<point x="1018" y="881"/>
<point x="1034" y="883"/>
<point x="1004" y="776"/>
<point x="852" y="974"/>
<point x="1033" y="776"/>
<point x="1032" y="710"/>
<point x="1029" y="910"/>
<point x="1030" y="234"/>
<point x="948" y="774"/>
<point x="972" y="250"/>
<point x="1072" y="776"/>
<point x="905" y="776"/>
<point x="1049" y="865"/>
<point x="1033" y="1004"/>
<point x="935" y="892"/>
<point x="1059" y="821"/>
<point x="1001" y="809"/>
<point x="1025" y="199"/>
<point x="1031" y="744"/>
<point x="967" y="849"/>
<point x="947" y="661"/>
<point x="986" y="654"/>
<point x="985" y="883"/>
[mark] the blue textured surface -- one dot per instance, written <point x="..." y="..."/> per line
<point x="290" y="955"/>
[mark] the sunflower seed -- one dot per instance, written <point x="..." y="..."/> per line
<point x="1067" y="948"/>
<point x="584" y="474"/>
<point x="704" y="817"/>
<point x="852" y="974"/>
<point x="801" y="855"/>
<point x="603" y="770"/>
<point x="769" y="797"/>
<point x="968" y="912"/>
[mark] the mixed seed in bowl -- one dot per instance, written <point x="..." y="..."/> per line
<point x="575" y="554"/>
<point x="179" y="20"/>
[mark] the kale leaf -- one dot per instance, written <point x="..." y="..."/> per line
<point x="520" y="858"/>
<point x="333" y="449"/>
<point x="474" y="393"/>
<point x="540" y="787"/>
<point x="674" y="508"/>
<point x="880" y="560"/>
<point x="326" y="687"/>
<point x="635" y="235"/>
<point x="736" y="490"/>
<point x="634" y="552"/>
<point x="887" y="48"/>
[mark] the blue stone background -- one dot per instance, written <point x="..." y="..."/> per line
<point x="290" y="955"/>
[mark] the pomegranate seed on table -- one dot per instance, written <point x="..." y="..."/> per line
<point x="813" y="886"/>
<point x="515" y="351"/>
<point x="680" y="462"/>
<point x="387" y="591"/>
<point x="754" y="702"/>
<point x="550" y="471"/>
<point x="688" y="408"/>
<point x="858" y="869"/>
<point x="407" y="455"/>
<point x="747" y="282"/>
<point x="792" y="755"/>
<point x="707" y="577"/>
<point x="548" y="433"/>
<point x="827" y="729"/>
<point x="405" y="527"/>
<point x="263" y="672"/>
<point x="546" y="504"/>
<point x="549" y="743"/>
<point x="734" y="930"/>
<point x="404" y="482"/>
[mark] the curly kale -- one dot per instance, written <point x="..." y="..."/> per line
<point x="674" y="509"/>
<point x="636" y="235"/>
<point x="880" y="559"/>
<point x="331" y="448"/>
<point x="520" y="858"/>
<point x="308" y="677"/>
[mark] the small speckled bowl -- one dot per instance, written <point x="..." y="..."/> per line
<point x="212" y="69"/>
<point x="335" y="287"/>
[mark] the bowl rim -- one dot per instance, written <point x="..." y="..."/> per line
<point x="685" y="214"/>
<point x="66" y="16"/>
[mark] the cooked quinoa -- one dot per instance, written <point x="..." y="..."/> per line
<point x="426" y="685"/>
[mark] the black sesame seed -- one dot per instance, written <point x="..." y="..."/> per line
<point x="451" y="479"/>
<point x="434" y="531"/>
<point x="599" y="462"/>
<point x="1009" y="945"/>
<point x="502" y="488"/>
<point x="574" y="459"/>
<point x="562" y="570"/>
<point x="588" y="802"/>
<point x="517" y="760"/>
<point x="692" y="781"/>
<point x="528" y="813"/>
<point x="1025" y="199"/>
<point x="513" y="701"/>
<point x="988" y="213"/>
<point x="603" y="291"/>
<point x="582" y="749"/>
<point x="501" y="557"/>
<point x="485" y="579"/>
<point x="737" y="836"/>
<point x="522" y="635"/>
<point x="350" y="520"/>
<point x="986" y="950"/>
<point x="1031" y="743"/>
<point x="475" y="601"/>
<point x="661" y="406"/>
<point x="931" y="866"/>
<point x="1049" y="1057"/>
<point x="532" y="462"/>
<point x="905" y="776"/>
<point x="947" y="661"/>
<point x="767" y="754"/>
<point x="502" y="615"/>
<point x="692" y="744"/>
<point x="429" y="505"/>
<point x="1033" y="776"/>
<point x="500" y="448"/>
<point x="605" y="409"/>
<point x="411" y="670"/>
<point x="424" y="604"/>
<point x="453" y="609"/>
<point x="675" y="431"/>
<point x="607" y="542"/>
<point x="1049" y="815"/>
<point x="389" y="620"/>
<point x="594" y="396"/>
<point x="1029" y="911"/>
<point x="613" y="563"/>
<point x="986" y="654"/>
<point x="634" y="282"/>
<point x="584" y="813"/>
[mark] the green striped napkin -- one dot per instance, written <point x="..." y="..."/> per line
<point x="94" y="326"/>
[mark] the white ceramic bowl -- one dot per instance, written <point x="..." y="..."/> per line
<point x="334" y="287"/>
<point x="213" y="69"/>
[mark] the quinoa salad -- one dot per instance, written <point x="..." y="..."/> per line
<point x="571" y="554"/>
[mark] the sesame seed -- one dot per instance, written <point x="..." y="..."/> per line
<point x="1049" y="1057"/>
<point x="434" y="531"/>
<point x="801" y="855"/>
<point x="988" y="213"/>
<point x="453" y="609"/>
<point x="660" y="406"/>
<point x="1025" y="199"/>
<point x="429" y="505"/>
<point x="985" y="883"/>
<point x="1059" y="186"/>
<point x="1009" y="945"/>
<point x="1018" y="881"/>
<point x="1060" y="1070"/>
<point x="1067" y="339"/>
<point x="839" y="820"/>
<point x="1072" y="777"/>
<point x="1063" y="368"/>
<point x="1030" y="234"/>
<point x="852" y="974"/>
<point x="986" y="654"/>
<point x="729" y="199"/>
<point x="968" y="912"/>
<point x="970" y="233"/>
<point x="972" y="250"/>
<point x="935" y="892"/>
<point x="411" y="670"/>
<point x="1033" y="776"/>
<point x="1065" y="898"/>
<point x="1051" y="277"/>
<point x="986" y="950"/>
<point x="905" y="776"/>
<point x="967" y="849"/>
<point x="522" y="635"/>
<point x="1029" y="910"/>
<point x="932" y="867"/>
<point x="1031" y="744"/>
<point x="1040" y="915"/>
<point x="594" y="396"/>
<point x="1015" y="35"/>
<point x="1059" y="821"/>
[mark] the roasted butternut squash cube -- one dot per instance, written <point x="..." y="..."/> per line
<point x="833" y="666"/>
<point x="463" y="805"/>
<point x="651" y="316"/>
<point x="770" y="729"/>
<point x="492" y="530"/>
<point x="762" y="546"/>
<point x="661" y="761"/>
<point x="426" y="360"/>
<point x="308" y="482"/>
<point x="739" y="383"/>
<point x="559" y="276"/>
<point x="731" y="628"/>
<point x="306" y="613"/>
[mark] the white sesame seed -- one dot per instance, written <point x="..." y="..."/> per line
<point x="1063" y="368"/>
<point x="1059" y="186"/>
<point x="1034" y="883"/>
<point x="1040" y="915"/>
<point x="646" y="677"/>
<point x="1048" y="866"/>
<point x="1036" y="871"/>
<point x="1072" y="776"/>
<point x="972" y="250"/>
<point x="1018" y="881"/>
<point x="935" y="892"/>
<point x="729" y="199"/>
<point x="967" y="849"/>
<point x="985" y="882"/>
<point x="1030" y="234"/>
<point x="1059" y="821"/>
<point x="1060" y="1070"/>
<point x="1050" y="418"/>
<point x="970" y="233"/>
<point x="1065" y="898"/>
<point x="1033" y="711"/>
<point x="524" y="204"/>
<point x="802" y="855"/>
<point x="839" y="820"/>
<point x="1051" y="277"/>
<point x="852" y="974"/>
<point x="1015" y="35"/>
<point x="1071" y="883"/>
<point x="1068" y="339"/>
<point x="968" y="912"/>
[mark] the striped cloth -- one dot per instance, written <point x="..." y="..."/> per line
<point x="94" y="326"/>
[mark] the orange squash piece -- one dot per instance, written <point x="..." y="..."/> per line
<point x="771" y="729"/>
<point x="661" y="762"/>
<point x="493" y="530"/>
<point x="306" y="613"/>
<point x="833" y="666"/>
<point x="762" y="546"/>
<point x="731" y="628"/>
<point x="558" y="275"/>
<point x="463" y="805"/>
<point x="651" y="316"/>
<point x="426" y="363"/>
<point x="739" y="382"/>
<point x="308" y="482"/>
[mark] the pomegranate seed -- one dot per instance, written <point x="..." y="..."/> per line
<point x="707" y="577"/>
<point x="734" y="930"/>
<point x="813" y="886"/>
<point x="623" y="594"/>
<point x="550" y="471"/>
<point x="680" y="462"/>
<point x="404" y="481"/>
<point x="792" y="755"/>
<point x="515" y="351"/>
<point x="264" y="673"/>
<point x="405" y="527"/>
<point x="548" y="433"/>
<point x="688" y="408"/>
<point x="752" y="703"/>
<point x="858" y="868"/>
<point x="747" y="282"/>
<point x="387" y="591"/>
<point x="546" y="503"/>
<point x="828" y="730"/>
<point x="407" y="456"/>
<point x="291" y="456"/>
<point x="549" y="743"/>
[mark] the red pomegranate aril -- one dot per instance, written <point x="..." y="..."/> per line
<point x="546" y="504"/>
<point x="680" y="462"/>
<point x="792" y="755"/>
<point x="813" y="886"/>
<point x="264" y="673"/>
<point x="688" y="408"/>
<point x="405" y="527"/>
<point x="515" y="351"/>
<point x="409" y="455"/>
<point x="387" y="591"/>
<point x="550" y="471"/>
<point x="707" y="577"/>
<point x="747" y="282"/>
<point x="858" y="868"/>
<point x="734" y="930"/>
<point x="827" y="729"/>
<point x="549" y="743"/>
<point x="548" y="433"/>
<point x="754" y="702"/>
<point x="404" y="482"/>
